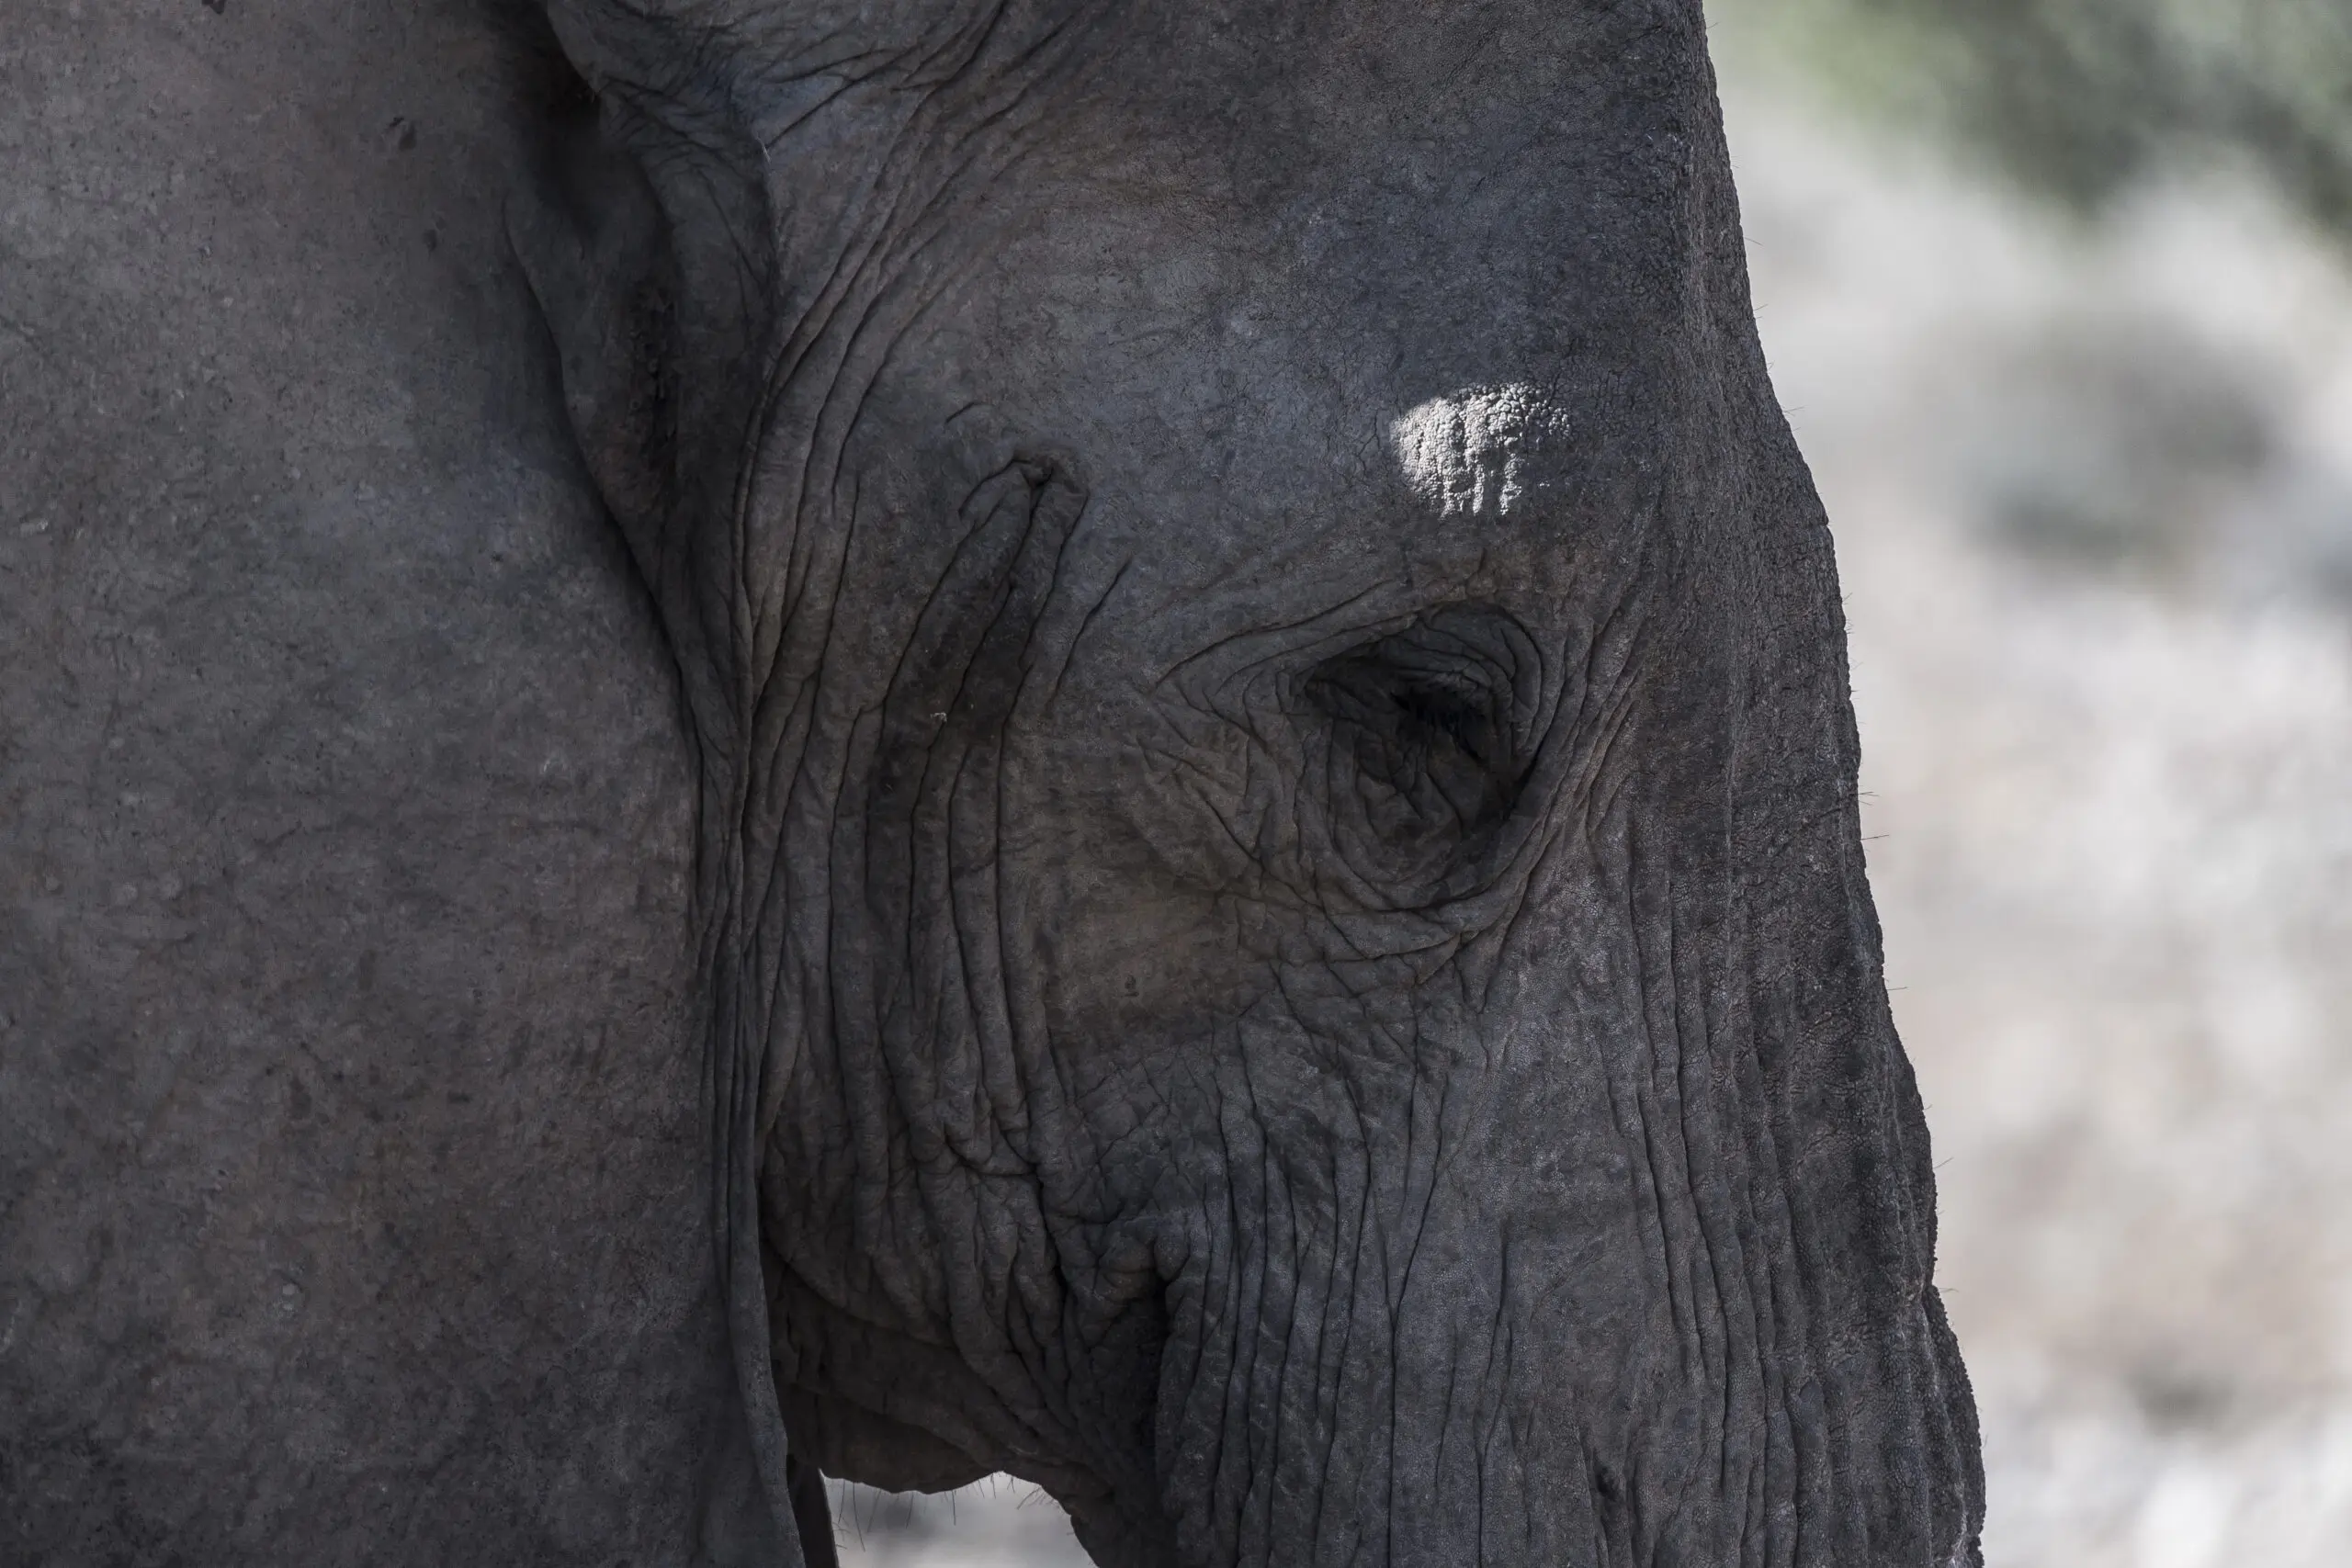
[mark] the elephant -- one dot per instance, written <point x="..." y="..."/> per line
<point x="756" y="740"/>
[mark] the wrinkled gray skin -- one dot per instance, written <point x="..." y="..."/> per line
<point x="1105" y="739"/>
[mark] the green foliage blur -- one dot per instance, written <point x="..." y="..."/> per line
<point x="2080" y="98"/>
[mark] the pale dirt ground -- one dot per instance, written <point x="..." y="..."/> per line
<point x="2093" y="498"/>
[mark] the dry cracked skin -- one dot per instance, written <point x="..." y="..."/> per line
<point x="1102" y="741"/>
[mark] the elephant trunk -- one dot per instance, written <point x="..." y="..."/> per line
<point x="1619" y="1254"/>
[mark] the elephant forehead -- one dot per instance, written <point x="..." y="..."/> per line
<point x="1244" y="400"/>
<point x="1433" y="175"/>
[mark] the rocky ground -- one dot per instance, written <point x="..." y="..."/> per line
<point x="2092" y="489"/>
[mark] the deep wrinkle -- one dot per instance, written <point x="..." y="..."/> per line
<point x="1333" y="800"/>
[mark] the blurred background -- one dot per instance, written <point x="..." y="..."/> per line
<point x="2058" y="294"/>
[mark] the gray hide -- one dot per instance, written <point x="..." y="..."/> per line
<point x="352" y="1188"/>
<point x="1187" y="829"/>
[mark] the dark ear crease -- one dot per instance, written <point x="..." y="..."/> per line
<point x="594" y="244"/>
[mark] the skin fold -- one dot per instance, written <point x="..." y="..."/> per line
<point x="1287" y="940"/>
<point x="755" y="738"/>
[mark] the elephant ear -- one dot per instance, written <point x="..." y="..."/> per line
<point x="599" y="251"/>
<point x="594" y="244"/>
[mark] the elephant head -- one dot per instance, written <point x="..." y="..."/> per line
<point x="1285" y="942"/>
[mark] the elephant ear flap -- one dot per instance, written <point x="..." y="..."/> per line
<point x="593" y="241"/>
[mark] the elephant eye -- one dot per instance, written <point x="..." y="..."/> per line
<point x="1462" y="721"/>
<point x="1423" y="753"/>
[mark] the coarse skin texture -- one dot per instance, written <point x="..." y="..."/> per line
<point x="1285" y="909"/>
<point x="1251" y="906"/>
<point x="353" y="1202"/>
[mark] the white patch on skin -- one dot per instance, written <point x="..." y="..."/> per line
<point x="1466" y="453"/>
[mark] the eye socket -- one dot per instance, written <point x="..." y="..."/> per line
<point x="1464" y="721"/>
<point x="1427" y="754"/>
<point x="1425" y="750"/>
